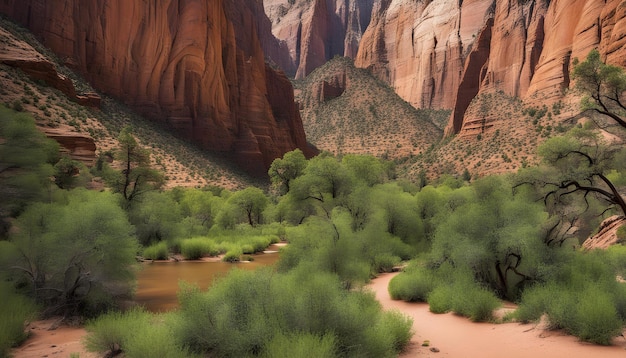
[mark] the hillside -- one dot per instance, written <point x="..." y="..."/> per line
<point x="62" y="117"/>
<point x="346" y="110"/>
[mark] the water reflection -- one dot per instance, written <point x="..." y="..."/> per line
<point x="158" y="282"/>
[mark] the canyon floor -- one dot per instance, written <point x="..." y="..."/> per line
<point x="448" y="335"/>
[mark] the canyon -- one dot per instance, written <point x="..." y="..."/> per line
<point x="216" y="72"/>
<point x="197" y="66"/>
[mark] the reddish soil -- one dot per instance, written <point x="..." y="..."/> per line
<point x="449" y="334"/>
<point x="455" y="336"/>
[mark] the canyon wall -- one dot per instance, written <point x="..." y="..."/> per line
<point x="420" y="47"/>
<point x="196" y="65"/>
<point x="442" y="54"/>
<point x="314" y="31"/>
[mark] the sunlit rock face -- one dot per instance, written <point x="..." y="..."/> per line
<point x="532" y="46"/>
<point x="420" y="47"/>
<point x="442" y="54"/>
<point x="314" y="31"/>
<point x="197" y="65"/>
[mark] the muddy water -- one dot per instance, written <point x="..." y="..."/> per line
<point x="158" y="282"/>
<point x="456" y="336"/>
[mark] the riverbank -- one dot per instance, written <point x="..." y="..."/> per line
<point x="448" y="334"/>
<point x="454" y="336"/>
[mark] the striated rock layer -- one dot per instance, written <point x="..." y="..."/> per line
<point x="532" y="47"/>
<point x="444" y="53"/>
<point x="196" y="65"/>
<point x="314" y="31"/>
<point x="420" y="47"/>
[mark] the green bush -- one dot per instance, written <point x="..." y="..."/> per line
<point x="16" y="311"/>
<point x="595" y="318"/>
<point x="464" y="297"/>
<point x="412" y="285"/>
<point x="154" y="340"/>
<point x="111" y="332"/>
<point x="156" y="251"/>
<point x="233" y="255"/>
<point x="384" y="262"/>
<point x="300" y="345"/>
<point x="440" y="299"/>
<point x="249" y="313"/>
<point x="193" y="249"/>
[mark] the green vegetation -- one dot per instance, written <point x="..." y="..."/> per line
<point x="17" y="310"/>
<point x="469" y="242"/>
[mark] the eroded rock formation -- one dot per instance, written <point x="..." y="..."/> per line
<point x="442" y="54"/>
<point x="198" y="66"/>
<point x="420" y="47"/>
<point x="315" y="31"/>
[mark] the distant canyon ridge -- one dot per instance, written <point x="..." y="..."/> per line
<point x="209" y="68"/>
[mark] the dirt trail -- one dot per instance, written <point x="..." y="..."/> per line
<point x="456" y="336"/>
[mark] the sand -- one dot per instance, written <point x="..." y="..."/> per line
<point x="455" y="336"/>
<point x="449" y="334"/>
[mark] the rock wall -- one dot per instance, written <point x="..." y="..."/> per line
<point x="533" y="45"/>
<point x="197" y="66"/>
<point x="443" y="53"/>
<point x="420" y="47"/>
<point x="314" y="31"/>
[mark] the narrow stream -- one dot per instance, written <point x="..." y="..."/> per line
<point x="158" y="282"/>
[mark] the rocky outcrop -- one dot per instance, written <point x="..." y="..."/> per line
<point x="77" y="146"/>
<point x="19" y="54"/>
<point x="197" y="66"/>
<point x="607" y="234"/>
<point x="314" y="31"/>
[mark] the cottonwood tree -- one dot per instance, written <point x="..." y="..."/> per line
<point x="604" y="86"/>
<point x="74" y="255"/>
<point x="283" y="171"/>
<point x="494" y="234"/>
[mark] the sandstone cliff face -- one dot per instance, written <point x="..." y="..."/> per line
<point x="442" y="54"/>
<point x="533" y="45"/>
<point x="316" y="30"/>
<point x="420" y="47"/>
<point x="196" y="65"/>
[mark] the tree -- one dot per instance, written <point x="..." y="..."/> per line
<point x="26" y="158"/>
<point x="580" y="176"/>
<point x="283" y="171"/>
<point x="251" y="201"/>
<point x="495" y="235"/>
<point x="136" y="176"/>
<point x="604" y="85"/>
<point x="73" y="255"/>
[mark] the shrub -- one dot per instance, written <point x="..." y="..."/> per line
<point x="300" y="345"/>
<point x="156" y="251"/>
<point x="233" y="255"/>
<point x="595" y="318"/>
<point x="413" y="285"/>
<point x="110" y="332"/>
<point x="195" y="248"/>
<point x="252" y="312"/>
<point x="16" y="310"/>
<point x="440" y="299"/>
<point x="464" y="297"/>
<point x="384" y="262"/>
<point x="154" y="340"/>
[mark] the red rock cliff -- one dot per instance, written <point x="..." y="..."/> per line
<point x="442" y="54"/>
<point x="316" y="30"/>
<point x="196" y="65"/>
<point x="532" y="47"/>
